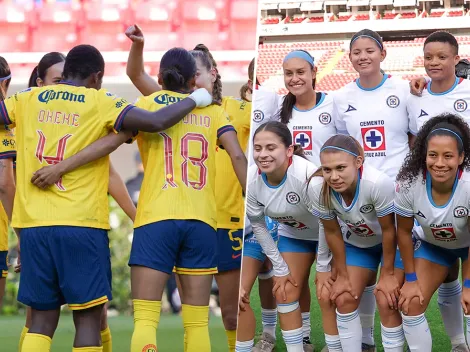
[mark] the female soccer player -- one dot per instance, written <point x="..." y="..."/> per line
<point x="381" y="128"/>
<point x="362" y="198"/>
<point x="433" y="189"/>
<point x="7" y="179"/>
<point x="49" y="72"/>
<point x="72" y="216"/>
<point x="277" y="189"/>
<point x="229" y="197"/>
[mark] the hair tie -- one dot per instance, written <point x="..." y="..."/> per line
<point x="366" y="36"/>
<point x="300" y="54"/>
<point x="338" y="148"/>
<point x="447" y="130"/>
<point x="5" y="78"/>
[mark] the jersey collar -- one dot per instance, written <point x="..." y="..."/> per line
<point x="384" y="78"/>
<point x="456" y="83"/>
<point x="68" y="83"/>
<point x="322" y="98"/>
<point x="339" y="198"/>
<point x="429" y="190"/>
<point x="265" y="178"/>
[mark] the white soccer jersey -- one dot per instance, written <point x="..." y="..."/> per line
<point x="312" y="128"/>
<point x="456" y="100"/>
<point x="378" y="119"/>
<point x="373" y="199"/>
<point x="444" y="226"/>
<point x="285" y="203"/>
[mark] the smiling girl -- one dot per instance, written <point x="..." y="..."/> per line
<point x="434" y="189"/>
<point x="361" y="197"/>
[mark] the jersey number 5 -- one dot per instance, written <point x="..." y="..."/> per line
<point x="52" y="160"/>
<point x="198" y="138"/>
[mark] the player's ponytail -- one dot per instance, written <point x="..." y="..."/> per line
<point x="442" y="125"/>
<point x="290" y="99"/>
<point x="335" y="144"/>
<point x="5" y="78"/>
<point x="202" y="52"/>
<point x="246" y="87"/>
<point x="177" y="69"/>
<point x="40" y="71"/>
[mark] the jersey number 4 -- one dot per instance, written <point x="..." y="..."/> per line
<point x="196" y="138"/>
<point x="52" y="160"/>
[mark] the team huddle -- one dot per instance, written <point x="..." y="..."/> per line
<point x="369" y="177"/>
<point x="189" y="218"/>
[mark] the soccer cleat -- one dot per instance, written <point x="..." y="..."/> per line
<point x="368" y="348"/>
<point x="308" y="346"/>
<point x="265" y="344"/>
<point x="461" y="348"/>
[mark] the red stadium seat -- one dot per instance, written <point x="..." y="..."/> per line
<point x="243" y="14"/>
<point x="14" y="27"/>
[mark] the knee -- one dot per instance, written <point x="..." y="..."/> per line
<point x="415" y="307"/>
<point x="324" y="299"/>
<point x="292" y="294"/>
<point x="346" y="303"/>
<point x="382" y="303"/>
<point x="230" y="320"/>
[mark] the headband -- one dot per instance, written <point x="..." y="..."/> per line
<point x="299" y="54"/>
<point x="5" y="78"/>
<point x="338" y="148"/>
<point x="447" y="130"/>
<point x="366" y="36"/>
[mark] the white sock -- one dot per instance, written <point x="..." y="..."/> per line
<point x="293" y="340"/>
<point x="393" y="339"/>
<point x="333" y="342"/>
<point x="448" y="299"/>
<point x="269" y="318"/>
<point x="244" y="346"/>
<point x="306" y="324"/>
<point x="350" y="331"/>
<point x="366" y="310"/>
<point x="417" y="333"/>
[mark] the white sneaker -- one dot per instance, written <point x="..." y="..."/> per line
<point x="265" y="344"/>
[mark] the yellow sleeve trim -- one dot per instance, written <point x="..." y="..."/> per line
<point x="90" y="304"/>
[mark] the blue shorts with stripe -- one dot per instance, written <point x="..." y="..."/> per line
<point x="4" y="263"/>
<point x="369" y="258"/>
<point x="230" y="244"/>
<point x="442" y="256"/>
<point x="189" y="245"/>
<point x="64" y="265"/>
<point x="251" y="246"/>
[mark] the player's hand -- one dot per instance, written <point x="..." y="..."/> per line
<point x="201" y="97"/>
<point x="323" y="279"/>
<point x="407" y="293"/>
<point x="342" y="285"/>
<point x="465" y="300"/>
<point x="135" y="34"/>
<point x="280" y="283"/>
<point x="243" y="299"/>
<point x="388" y="285"/>
<point x="417" y="86"/>
<point x="46" y="176"/>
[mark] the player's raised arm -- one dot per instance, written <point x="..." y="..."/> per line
<point x="135" y="63"/>
<point x="230" y="143"/>
<point x="146" y="121"/>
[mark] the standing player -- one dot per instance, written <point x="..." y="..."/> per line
<point x="433" y="189"/>
<point x="48" y="72"/>
<point x="54" y="122"/>
<point x="279" y="176"/>
<point x="178" y="233"/>
<point x="229" y="196"/>
<point x="443" y="93"/>
<point x="381" y="128"/>
<point x="7" y="179"/>
<point x="362" y="197"/>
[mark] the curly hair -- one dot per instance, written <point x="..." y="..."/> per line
<point x="202" y="52"/>
<point x="415" y="161"/>
<point x="82" y="61"/>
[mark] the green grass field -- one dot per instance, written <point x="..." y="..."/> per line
<point x="441" y="342"/>
<point x="169" y="334"/>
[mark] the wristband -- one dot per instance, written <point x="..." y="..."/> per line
<point x="411" y="277"/>
<point x="466" y="283"/>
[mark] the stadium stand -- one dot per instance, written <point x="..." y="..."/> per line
<point x="318" y="30"/>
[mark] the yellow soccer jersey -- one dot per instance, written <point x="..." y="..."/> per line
<point x="7" y="151"/>
<point x="53" y="123"/>
<point x="179" y="177"/>
<point x="228" y="195"/>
